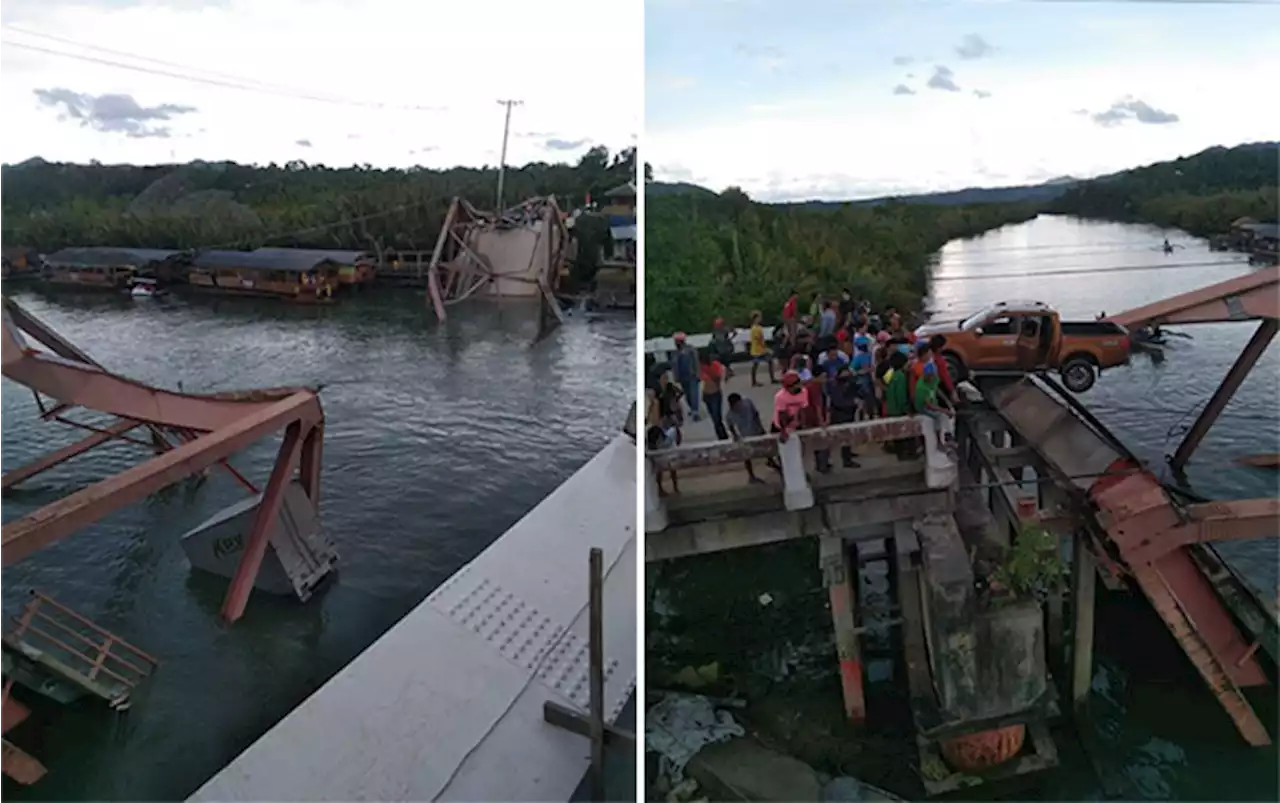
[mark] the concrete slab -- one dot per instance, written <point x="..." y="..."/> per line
<point x="744" y="769"/>
<point x="448" y="704"/>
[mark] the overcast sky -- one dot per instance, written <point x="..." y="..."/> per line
<point x="438" y="68"/>
<point x="833" y="99"/>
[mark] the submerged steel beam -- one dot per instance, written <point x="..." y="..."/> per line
<point x="1230" y="384"/>
<point x="59" y="519"/>
<point x="64" y="454"/>
<point x="264" y="519"/>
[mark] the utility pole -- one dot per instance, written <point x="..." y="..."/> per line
<point x="502" y="162"/>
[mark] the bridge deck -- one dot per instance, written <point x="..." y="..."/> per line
<point x="717" y="480"/>
<point x="448" y="705"/>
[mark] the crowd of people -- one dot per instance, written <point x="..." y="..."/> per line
<point x="838" y="363"/>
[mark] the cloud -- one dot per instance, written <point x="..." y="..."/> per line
<point x="942" y="79"/>
<point x="302" y="143"/>
<point x="679" y="82"/>
<point x="557" y="144"/>
<point x="973" y="46"/>
<point x="112" y="114"/>
<point x="902" y="61"/>
<point x="981" y="93"/>
<point x="1132" y="109"/>
<point x="903" y="89"/>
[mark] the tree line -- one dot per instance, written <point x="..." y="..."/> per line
<point x="49" y="206"/>
<point x="709" y="256"/>
<point x="1201" y="194"/>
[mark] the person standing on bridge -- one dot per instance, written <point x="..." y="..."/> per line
<point x="928" y="403"/>
<point x="744" y="422"/>
<point x="711" y="376"/>
<point x="759" y="351"/>
<point x="788" y="406"/>
<point x="790" y="315"/>
<point x="685" y="364"/>
<point x="722" y="344"/>
<point x="827" y="321"/>
<point x="844" y="396"/>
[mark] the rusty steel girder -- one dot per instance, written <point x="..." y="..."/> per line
<point x="207" y="428"/>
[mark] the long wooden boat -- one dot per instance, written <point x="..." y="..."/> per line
<point x="298" y="277"/>
<point x="355" y="268"/>
<point x="104" y="268"/>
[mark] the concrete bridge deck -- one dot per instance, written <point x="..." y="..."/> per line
<point x="449" y="704"/>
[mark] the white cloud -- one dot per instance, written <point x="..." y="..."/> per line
<point x="337" y="49"/>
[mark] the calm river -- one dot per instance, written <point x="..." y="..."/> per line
<point x="437" y="439"/>
<point x="1162" y="734"/>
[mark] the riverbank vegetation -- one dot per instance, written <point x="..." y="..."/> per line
<point x="49" y="206"/>
<point x="1201" y="194"/>
<point x="724" y="255"/>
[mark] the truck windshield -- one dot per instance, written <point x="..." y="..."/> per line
<point x="975" y="320"/>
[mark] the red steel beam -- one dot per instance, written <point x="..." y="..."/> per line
<point x="58" y="520"/>
<point x="1252" y="296"/>
<point x="64" y="454"/>
<point x="1222" y="396"/>
<point x="1214" y="521"/>
<point x="263" y="521"/>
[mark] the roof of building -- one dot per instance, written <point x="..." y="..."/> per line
<point x="108" y="257"/>
<point x="1263" y="229"/>
<point x="319" y="254"/>
<point x="286" y="259"/>
<point x="1242" y="221"/>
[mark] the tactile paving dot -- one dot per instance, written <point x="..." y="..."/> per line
<point x="518" y="630"/>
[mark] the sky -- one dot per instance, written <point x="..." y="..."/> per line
<point x="835" y="99"/>
<point x="340" y="82"/>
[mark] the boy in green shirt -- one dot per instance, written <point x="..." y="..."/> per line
<point x="926" y="402"/>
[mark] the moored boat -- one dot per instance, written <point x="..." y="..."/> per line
<point x="105" y="268"/>
<point x="294" y="276"/>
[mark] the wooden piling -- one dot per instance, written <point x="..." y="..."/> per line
<point x="596" y="668"/>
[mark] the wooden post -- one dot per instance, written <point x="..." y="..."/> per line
<point x="596" y="658"/>
<point x="1083" y="577"/>
<point x="840" y="576"/>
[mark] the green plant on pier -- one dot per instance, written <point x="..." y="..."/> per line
<point x="1031" y="568"/>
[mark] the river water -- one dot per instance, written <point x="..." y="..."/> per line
<point x="437" y="439"/>
<point x="1160" y="734"/>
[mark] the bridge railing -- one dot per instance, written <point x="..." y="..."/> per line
<point x="940" y="468"/>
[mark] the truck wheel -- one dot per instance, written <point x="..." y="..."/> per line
<point x="955" y="368"/>
<point x="1078" y="374"/>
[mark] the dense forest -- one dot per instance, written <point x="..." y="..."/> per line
<point x="709" y="255"/>
<point x="203" y="205"/>
<point x="1201" y="194"/>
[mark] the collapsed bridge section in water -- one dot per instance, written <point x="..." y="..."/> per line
<point x="189" y="433"/>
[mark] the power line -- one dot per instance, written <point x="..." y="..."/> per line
<point x="239" y="83"/>
<point x="1026" y="275"/>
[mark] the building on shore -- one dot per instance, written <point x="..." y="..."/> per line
<point x="616" y="278"/>
<point x="109" y="268"/>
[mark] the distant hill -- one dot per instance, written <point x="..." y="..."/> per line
<point x="1039" y="193"/>
<point x="1201" y="193"/>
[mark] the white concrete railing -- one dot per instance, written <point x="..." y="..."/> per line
<point x="940" y="469"/>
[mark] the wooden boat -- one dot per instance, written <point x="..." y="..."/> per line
<point x="355" y="268"/>
<point x="296" y="276"/>
<point x="103" y="268"/>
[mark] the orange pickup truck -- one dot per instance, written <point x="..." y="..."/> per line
<point x="1029" y="336"/>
